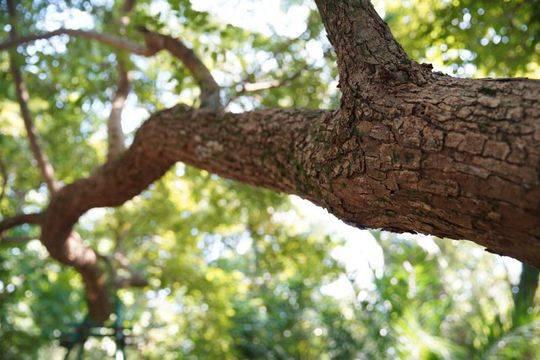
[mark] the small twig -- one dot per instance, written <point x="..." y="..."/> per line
<point x="134" y="277"/>
<point x="250" y="88"/>
<point x="14" y="241"/>
<point x="41" y="158"/>
<point x="113" y="41"/>
<point x="155" y="42"/>
<point x="3" y="171"/>
<point x="115" y="133"/>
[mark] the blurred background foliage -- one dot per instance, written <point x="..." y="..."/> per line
<point x="233" y="271"/>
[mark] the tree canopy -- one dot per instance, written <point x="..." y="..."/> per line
<point x="212" y="268"/>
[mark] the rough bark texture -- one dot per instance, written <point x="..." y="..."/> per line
<point x="408" y="151"/>
<point x="455" y="158"/>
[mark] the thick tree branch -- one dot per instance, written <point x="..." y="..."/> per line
<point x="404" y="168"/>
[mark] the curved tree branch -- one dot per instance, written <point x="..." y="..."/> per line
<point x="210" y="97"/>
<point x="393" y="175"/>
<point x="72" y="251"/>
<point x="20" y="219"/>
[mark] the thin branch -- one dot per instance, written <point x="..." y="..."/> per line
<point x="210" y="98"/>
<point x="3" y="171"/>
<point x="155" y="42"/>
<point x="246" y="88"/>
<point x="14" y="241"/>
<point x="115" y="133"/>
<point x="132" y="278"/>
<point x="43" y="162"/>
<point x="111" y="40"/>
<point x="20" y="219"/>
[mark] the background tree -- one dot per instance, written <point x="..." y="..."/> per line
<point x="181" y="235"/>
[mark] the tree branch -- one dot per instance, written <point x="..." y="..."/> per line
<point x="397" y="173"/>
<point x="246" y="88"/>
<point x="367" y="53"/>
<point x="4" y="173"/>
<point x="20" y="219"/>
<point x="114" y="123"/>
<point x="111" y="40"/>
<point x="116" y="138"/>
<point x="43" y="162"/>
<point x="210" y="97"/>
<point x="14" y="241"/>
<point x="133" y="278"/>
<point x="408" y="152"/>
<point x="524" y="298"/>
